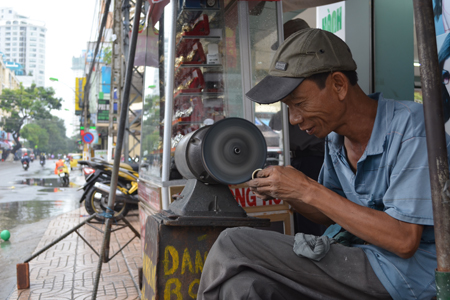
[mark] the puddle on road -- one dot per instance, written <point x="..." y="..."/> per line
<point x="48" y="182"/>
<point x="13" y="214"/>
<point x="51" y="190"/>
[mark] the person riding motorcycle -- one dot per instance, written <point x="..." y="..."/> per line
<point x="59" y="163"/>
<point x="42" y="157"/>
<point x="25" y="157"/>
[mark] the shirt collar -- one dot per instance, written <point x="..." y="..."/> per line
<point x="385" y="114"/>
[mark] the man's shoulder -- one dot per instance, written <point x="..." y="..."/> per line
<point x="405" y="117"/>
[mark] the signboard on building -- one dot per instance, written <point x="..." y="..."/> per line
<point x="103" y="108"/>
<point x="331" y="18"/>
<point x="79" y="94"/>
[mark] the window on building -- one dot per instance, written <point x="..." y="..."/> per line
<point x="41" y="72"/>
<point x="8" y="22"/>
<point x="32" y="33"/>
<point x="14" y="49"/>
<point x="22" y="49"/>
<point x="14" y="33"/>
<point x="22" y="33"/>
<point x="33" y="44"/>
<point x="33" y="28"/>
<point x="33" y="50"/>
<point x="8" y="49"/>
<point x="8" y="28"/>
<point x="32" y="55"/>
<point x="41" y="56"/>
<point x="23" y="28"/>
<point x="8" y="33"/>
<point x="41" y="61"/>
<point x="21" y="39"/>
<point x="41" y="40"/>
<point x="42" y="35"/>
<point x="21" y="54"/>
<point x="8" y="39"/>
<point x="15" y="27"/>
<point x="33" y="39"/>
<point x="21" y="44"/>
<point x="32" y="66"/>
<point x="14" y="39"/>
<point x="21" y="60"/>
<point x="15" y="22"/>
<point x="14" y="44"/>
<point x="32" y="60"/>
<point x="8" y="44"/>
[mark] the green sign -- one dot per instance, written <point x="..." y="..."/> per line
<point x="103" y="111"/>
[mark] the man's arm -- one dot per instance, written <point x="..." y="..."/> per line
<point x="325" y="206"/>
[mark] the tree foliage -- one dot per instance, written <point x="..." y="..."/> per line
<point x="36" y="135"/>
<point x="26" y="104"/>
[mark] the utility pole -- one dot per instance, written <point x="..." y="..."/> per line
<point x="117" y="64"/>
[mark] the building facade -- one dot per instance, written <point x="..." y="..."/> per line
<point x="22" y="40"/>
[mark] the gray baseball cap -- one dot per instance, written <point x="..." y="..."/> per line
<point x="306" y="52"/>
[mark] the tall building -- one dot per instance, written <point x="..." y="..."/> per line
<point x="22" y="40"/>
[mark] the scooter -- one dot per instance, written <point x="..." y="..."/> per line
<point x="25" y="165"/>
<point x="63" y="173"/>
<point x="97" y="188"/>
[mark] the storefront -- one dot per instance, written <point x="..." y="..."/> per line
<point x="203" y="56"/>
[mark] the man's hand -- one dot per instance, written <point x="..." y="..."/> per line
<point x="284" y="183"/>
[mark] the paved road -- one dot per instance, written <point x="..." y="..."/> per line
<point x="28" y="201"/>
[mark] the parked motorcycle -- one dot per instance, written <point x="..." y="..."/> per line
<point x="25" y="165"/>
<point x="63" y="173"/>
<point x="97" y="188"/>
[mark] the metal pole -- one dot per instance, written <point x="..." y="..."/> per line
<point x="168" y="112"/>
<point x="437" y="150"/>
<point x="121" y="128"/>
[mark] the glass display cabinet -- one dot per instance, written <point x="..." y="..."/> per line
<point x="203" y="56"/>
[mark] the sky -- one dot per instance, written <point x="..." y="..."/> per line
<point x="69" y="25"/>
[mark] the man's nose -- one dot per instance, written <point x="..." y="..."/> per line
<point x="295" y="118"/>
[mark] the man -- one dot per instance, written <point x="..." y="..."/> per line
<point x="374" y="183"/>
<point x="26" y="158"/>
<point x="306" y="150"/>
<point x="59" y="163"/>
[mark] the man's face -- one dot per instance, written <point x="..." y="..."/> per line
<point x="314" y="110"/>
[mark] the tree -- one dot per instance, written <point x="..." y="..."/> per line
<point x="36" y="135"/>
<point x="24" y="105"/>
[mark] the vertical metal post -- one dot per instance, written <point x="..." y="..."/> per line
<point x="437" y="150"/>
<point x="126" y="26"/>
<point x="168" y="113"/>
<point x="104" y="253"/>
<point x="285" y="124"/>
<point x="246" y="59"/>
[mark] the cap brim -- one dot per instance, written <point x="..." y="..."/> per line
<point x="273" y="89"/>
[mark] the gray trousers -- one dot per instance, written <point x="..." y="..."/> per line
<point x="246" y="263"/>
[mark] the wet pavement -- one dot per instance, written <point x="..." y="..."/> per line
<point x="29" y="200"/>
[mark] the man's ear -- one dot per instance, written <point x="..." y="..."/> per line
<point x="339" y="84"/>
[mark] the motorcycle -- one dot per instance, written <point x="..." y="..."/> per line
<point x="42" y="163"/>
<point x="25" y="165"/>
<point x="97" y="188"/>
<point x="63" y="173"/>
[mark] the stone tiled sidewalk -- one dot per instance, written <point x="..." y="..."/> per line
<point x="67" y="270"/>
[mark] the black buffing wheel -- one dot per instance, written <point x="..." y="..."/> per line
<point x="232" y="149"/>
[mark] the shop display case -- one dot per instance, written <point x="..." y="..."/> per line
<point x="209" y="53"/>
